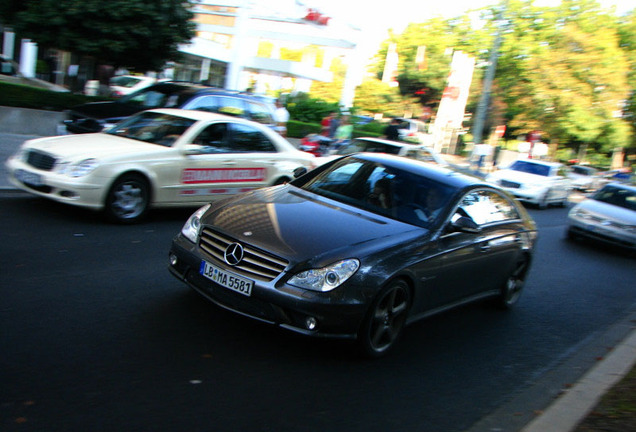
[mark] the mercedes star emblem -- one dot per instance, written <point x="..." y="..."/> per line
<point x="233" y="254"/>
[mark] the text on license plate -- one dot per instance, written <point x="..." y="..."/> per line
<point x="28" y="177"/>
<point x="226" y="279"/>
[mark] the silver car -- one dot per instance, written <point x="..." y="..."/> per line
<point x="609" y="216"/>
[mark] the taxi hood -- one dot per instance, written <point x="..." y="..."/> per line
<point x="93" y="145"/>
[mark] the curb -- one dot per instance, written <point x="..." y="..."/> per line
<point x="574" y="405"/>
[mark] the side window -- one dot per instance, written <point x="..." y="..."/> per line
<point x="248" y="139"/>
<point x="259" y="113"/>
<point x="485" y="206"/>
<point x="149" y="99"/>
<point x="231" y="106"/>
<point x="204" y="103"/>
<point x="213" y="139"/>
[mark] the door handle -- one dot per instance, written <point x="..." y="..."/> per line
<point x="484" y="247"/>
<point x="228" y="163"/>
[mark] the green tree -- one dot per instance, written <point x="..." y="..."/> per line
<point x="561" y="70"/>
<point x="331" y="91"/>
<point x="132" y="33"/>
<point x="374" y="96"/>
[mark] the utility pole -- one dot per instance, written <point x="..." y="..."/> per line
<point x="484" y="101"/>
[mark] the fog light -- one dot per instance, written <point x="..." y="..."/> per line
<point x="173" y="259"/>
<point x="311" y="323"/>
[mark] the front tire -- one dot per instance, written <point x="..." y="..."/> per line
<point x="385" y="321"/>
<point x="513" y="287"/>
<point x="128" y="199"/>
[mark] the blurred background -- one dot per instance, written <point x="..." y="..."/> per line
<point x="515" y="75"/>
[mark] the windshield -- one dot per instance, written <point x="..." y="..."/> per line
<point x="158" y="96"/>
<point x="384" y="190"/>
<point x="152" y="127"/>
<point x="531" y="168"/>
<point x="617" y="196"/>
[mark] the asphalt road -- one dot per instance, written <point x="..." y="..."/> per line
<point x="95" y="334"/>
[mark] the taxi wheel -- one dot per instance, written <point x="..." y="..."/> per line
<point x="386" y="319"/>
<point x="128" y="199"/>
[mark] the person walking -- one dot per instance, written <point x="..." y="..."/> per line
<point x="281" y="117"/>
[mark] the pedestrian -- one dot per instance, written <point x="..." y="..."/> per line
<point x="344" y="132"/>
<point x="392" y="131"/>
<point x="281" y="117"/>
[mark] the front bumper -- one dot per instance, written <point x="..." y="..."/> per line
<point x="78" y="192"/>
<point x="272" y="302"/>
<point x="599" y="232"/>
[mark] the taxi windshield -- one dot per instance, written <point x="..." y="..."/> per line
<point x="152" y="127"/>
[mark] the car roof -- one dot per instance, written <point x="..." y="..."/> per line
<point x="390" y="142"/>
<point x="622" y="186"/>
<point x="435" y="172"/>
<point x="200" y="115"/>
<point x="191" y="89"/>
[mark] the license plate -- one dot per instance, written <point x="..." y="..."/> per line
<point x="29" y="178"/>
<point x="226" y="279"/>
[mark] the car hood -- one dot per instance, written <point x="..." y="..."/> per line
<point x="609" y="211"/>
<point x="304" y="227"/>
<point x="106" y="110"/>
<point x="94" y="145"/>
<point x="519" y="177"/>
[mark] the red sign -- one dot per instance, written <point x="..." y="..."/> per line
<point x="222" y="175"/>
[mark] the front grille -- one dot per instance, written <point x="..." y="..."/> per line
<point x="40" y="160"/>
<point x="509" y="184"/>
<point x="256" y="263"/>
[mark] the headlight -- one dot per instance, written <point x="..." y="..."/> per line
<point x="326" y="278"/>
<point x="78" y="169"/>
<point x="580" y="213"/>
<point x="192" y="226"/>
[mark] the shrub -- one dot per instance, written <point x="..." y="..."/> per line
<point x="23" y="96"/>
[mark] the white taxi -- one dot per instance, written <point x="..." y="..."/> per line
<point x="157" y="158"/>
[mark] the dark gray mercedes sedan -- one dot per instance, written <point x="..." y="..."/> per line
<point x="358" y="248"/>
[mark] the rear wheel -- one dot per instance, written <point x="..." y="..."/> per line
<point x="128" y="199"/>
<point x="386" y="319"/>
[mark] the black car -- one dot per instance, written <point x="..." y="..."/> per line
<point x="95" y="116"/>
<point x="358" y="248"/>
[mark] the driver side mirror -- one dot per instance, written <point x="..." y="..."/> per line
<point x="464" y="224"/>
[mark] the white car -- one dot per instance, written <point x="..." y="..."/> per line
<point x="156" y="158"/>
<point x="608" y="216"/>
<point x="125" y="84"/>
<point x="584" y="178"/>
<point x="534" y="181"/>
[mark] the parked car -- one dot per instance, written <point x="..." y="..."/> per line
<point x="358" y="248"/>
<point x="157" y="158"/>
<point x="411" y="130"/>
<point x="584" y="178"/>
<point x="122" y="85"/>
<point x="535" y="181"/>
<point x="96" y="116"/>
<point x="608" y="216"/>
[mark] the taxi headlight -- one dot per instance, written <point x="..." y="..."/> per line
<point x="78" y="169"/>
<point x="327" y="278"/>
<point x="193" y="225"/>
